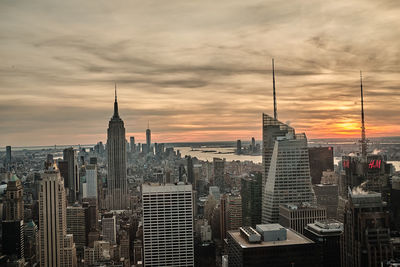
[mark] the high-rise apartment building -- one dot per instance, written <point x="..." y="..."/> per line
<point x="366" y="236"/>
<point x="117" y="184"/>
<point x="168" y="225"/>
<point x="56" y="246"/>
<point x="251" y="199"/>
<point x="69" y="169"/>
<point x="233" y="212"/>
<point x="297" y="217"/>
<point x="286" y="168"/>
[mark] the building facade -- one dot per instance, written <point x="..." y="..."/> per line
<point x="168" y="225"/>
<point x="251" y="199"/>
<point x="117" y="184"/>
<point x="297" y="217"/>
<point x="286" y="177"/>
<point x="56" y="246"/>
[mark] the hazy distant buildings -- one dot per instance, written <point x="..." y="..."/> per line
<point x="168" y="225"/>
<point x="366" y="236"/>
<point x="117" y="184"/>
<point x="251" y="199"/>
<point x="132" y="144"/>
<point x="238" y="147"/>
<point x="56" y="246"/>
<point x="286" y="177"/>
<point x="148" y="140"/>
<point x="8" y="154"/>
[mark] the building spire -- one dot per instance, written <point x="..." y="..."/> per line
<point x="116" y="115"/>
<point x="273" y="83"/>
<point x="363" y="136"/>
<point x="148" y="124"/>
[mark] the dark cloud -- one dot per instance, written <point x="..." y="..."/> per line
<point x="194" y="68"/>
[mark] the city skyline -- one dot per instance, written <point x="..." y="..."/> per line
<point x="197" y="72"/>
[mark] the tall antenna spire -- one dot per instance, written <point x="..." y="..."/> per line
<point x="116" y="115"/>
<point x="115" y="92"/>
<point x="148" y="124"/>
<point x="363" y="137"/>
<point x="273" y="83"/>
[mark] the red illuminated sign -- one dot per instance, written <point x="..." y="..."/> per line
<point x="346" y="164"/>
<point x="375" y="164"/>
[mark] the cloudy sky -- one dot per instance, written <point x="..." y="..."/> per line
<point x="197" y="70"/>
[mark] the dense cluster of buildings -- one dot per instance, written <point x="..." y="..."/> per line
<point x="130" y="204"/>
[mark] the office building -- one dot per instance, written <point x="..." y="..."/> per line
<point x="327" y="197"/>
<point x="286" y="169"/>
<point x="233" y="212"/>
<point x="190" y="171"/>
<point x="326" y="234"/>
<point x="321" y="159"/>
<point x="91" y="181"/>
<point x="219" y="173"/>
<point x="109" y="228"/>
<point x="366" y="236"/>
<point x="117" y="184"/>
<point x="13" y="223"/>
<point x="395" y="203"/>
<point x="271" y="245"/>
<point x="56" y="247"/>
<point x="78" y="224"/>
<point x="69" y="169"/>
<point x="168" y="225"/>
<point x="297" y="217"/>
<point x="251" y="199"/>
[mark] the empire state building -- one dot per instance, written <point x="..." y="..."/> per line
<point x="117" y="188"/>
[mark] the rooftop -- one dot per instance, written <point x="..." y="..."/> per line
<point x="160" y="188"/>
<point x="292" y="239"/>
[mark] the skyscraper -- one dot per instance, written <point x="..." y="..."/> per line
<point x="168" y="225"/>
<point x="12" y="225"/>
<point x="56" y="246"/>
<point x="286" y="177"/>
<point x="366" y="236"/>
<point x="132" y="143"/>
<point x="91" y="181"/>
<point x="148" y="139"/>
<point x="219" y="173"/>
<point x="70" y="172"/>
<point x="251" y="199"/>
<point x="8" y="154"/>
<point x="117" y="187"/>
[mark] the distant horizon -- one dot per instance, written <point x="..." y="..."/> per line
<point x="2" y="147"/>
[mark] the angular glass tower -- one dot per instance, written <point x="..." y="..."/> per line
<point x="286" y="168"/>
